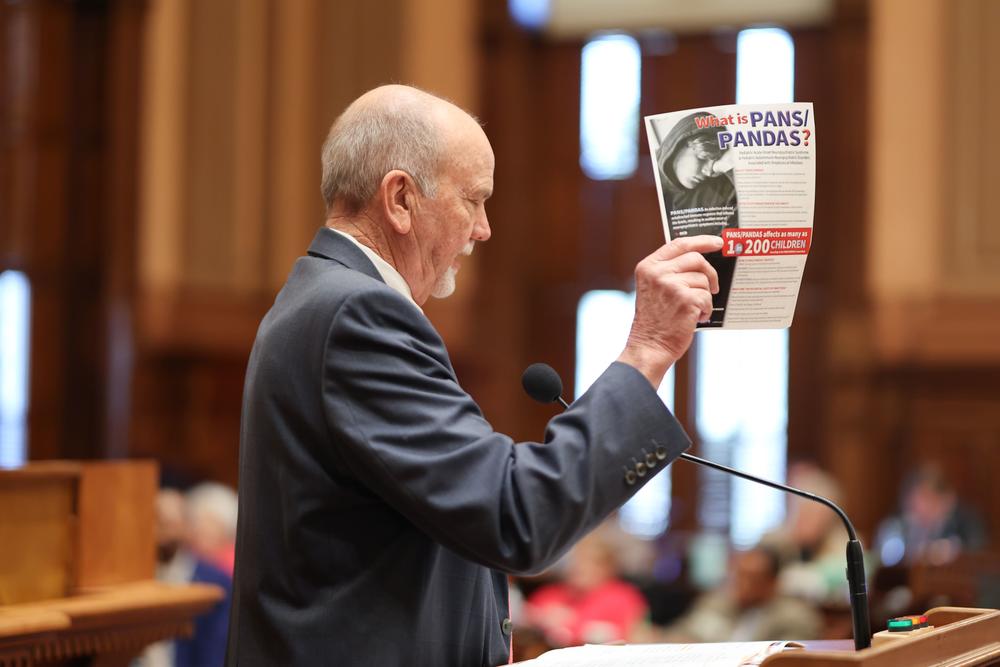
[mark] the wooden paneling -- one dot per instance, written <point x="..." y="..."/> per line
<point x="240" y="96"/>
<point x="115" y="506"/>
<point x="37" y="533"/>
<point x="67" y="140"/>
<point x="935" y="250"/>
<point x="970" y="149"/>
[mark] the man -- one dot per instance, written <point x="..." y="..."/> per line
<point x="699" y="193"/>
<point x="748" y="608"/>
<point x="379" y="511"/>
<point x="933" y="527"/>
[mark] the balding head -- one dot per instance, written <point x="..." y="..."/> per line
<point x="390" y="127"/>
<point x="407" y="175"/>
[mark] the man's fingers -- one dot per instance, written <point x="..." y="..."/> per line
<point x="695" y="280"/>
<point x="705" y="302"/>
<point x="678" y="247"/>
<point x="690" y="262"/>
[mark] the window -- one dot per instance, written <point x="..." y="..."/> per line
<point x="15" y="308"/>
<point x="531" y="14"/>
<point x="742" y="376"/>
<point x="603" y="321"/>
<point x="610" y="73"/>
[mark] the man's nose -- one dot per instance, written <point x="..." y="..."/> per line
<point x="481" y="230"/>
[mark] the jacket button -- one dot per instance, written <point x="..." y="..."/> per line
<point x="507" y="626"/>
<point x="650" y="459"/>
<point x="630" y="477"/>
<point x="661" y="452"/>
<point x="640" y="469"/>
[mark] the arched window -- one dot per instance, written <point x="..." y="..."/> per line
<point x="603" y="321"/>
<point x="15" y="315"/>
<point x="610" y="72"/>
<point x="742" y="376"/>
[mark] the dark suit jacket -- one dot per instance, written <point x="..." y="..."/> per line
<point x="379" y="510"/>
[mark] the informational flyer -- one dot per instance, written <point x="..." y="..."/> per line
<point x="747" y="173"/>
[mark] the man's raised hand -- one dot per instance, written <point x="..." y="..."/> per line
<point x="673" y="292"/>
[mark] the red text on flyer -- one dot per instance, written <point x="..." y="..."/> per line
<point x="764" y="241"/>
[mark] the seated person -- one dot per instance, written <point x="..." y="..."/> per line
<point x="177" y="564"/>
<point x="211" y="511"/>
<point x="748" y="607"/>
<point x="592" y="605"/>
<point x="811" y="541"/>
<point x="933" y="526"/>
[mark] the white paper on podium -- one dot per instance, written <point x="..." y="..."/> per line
<point x="735" y="654"/>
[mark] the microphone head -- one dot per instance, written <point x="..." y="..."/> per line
<point x="542" y="383"/>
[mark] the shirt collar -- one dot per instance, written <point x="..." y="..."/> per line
<point x="388" y="272"/>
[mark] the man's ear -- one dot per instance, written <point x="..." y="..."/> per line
<point x="397" y="197"/>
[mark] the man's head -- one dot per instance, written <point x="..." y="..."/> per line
<point x="592" y="563"/>
<point x="928" y="498"/>
<point x="211" y="515"/>
<point x="754" y="577"/>
<point x="171" y="523"/>
<point x="414" y="171"/>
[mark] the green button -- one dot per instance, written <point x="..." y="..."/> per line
<point x="900" y="624"/>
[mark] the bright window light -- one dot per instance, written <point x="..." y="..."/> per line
<point x="15" y="309"/>
<point x="742" y="383"/>
<point x="602" y="325"/>
<point x="742" y="416"/>
<point x="765" y="66"/>
<point x="611" y="68"/>
<point x="531" y="14"/>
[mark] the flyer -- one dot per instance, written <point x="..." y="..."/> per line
<point x="747" y="173"/>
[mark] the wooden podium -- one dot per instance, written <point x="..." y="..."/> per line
<point x="77" y="561"/>
<point x="961" y="638"/>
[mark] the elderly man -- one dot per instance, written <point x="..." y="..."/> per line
<point x="379" y="510"/>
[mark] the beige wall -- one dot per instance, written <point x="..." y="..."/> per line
<point x="238" y="97"/>
<point x="934" y="244"/>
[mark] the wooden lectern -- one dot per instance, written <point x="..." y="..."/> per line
<point x="961" y="638"/>
<point x="77" y="561"/>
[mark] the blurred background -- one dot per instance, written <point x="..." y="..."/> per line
<point x="159" y="173"/>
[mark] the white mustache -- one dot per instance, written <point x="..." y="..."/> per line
<point x="467" y="250"/>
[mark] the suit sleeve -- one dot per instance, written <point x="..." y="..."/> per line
<point x="406" y="429"/>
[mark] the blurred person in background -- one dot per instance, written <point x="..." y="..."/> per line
<point x="211" y="510"/>
<point x="812" y="541"/>
<point x="593" y="605"/>
<point x="178" y="564"/>
<point x="933" y="525"/>
<point x="748" y="607"/>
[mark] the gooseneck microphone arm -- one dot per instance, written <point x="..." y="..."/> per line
<point x="857" y="587"/>
<point x="543" y="384"/>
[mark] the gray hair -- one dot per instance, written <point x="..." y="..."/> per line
<point x="368" y="141"/>
<point x="217" y="500"/>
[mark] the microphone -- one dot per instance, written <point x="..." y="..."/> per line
<point x="543" y="384"/>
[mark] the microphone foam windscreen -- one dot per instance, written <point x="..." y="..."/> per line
<point x="542" y="383"/>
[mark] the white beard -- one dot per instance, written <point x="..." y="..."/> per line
<point x="445" y="285"/>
